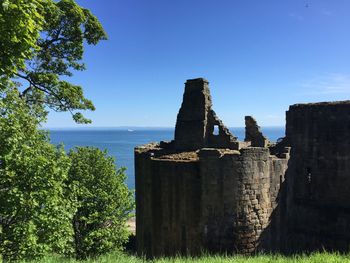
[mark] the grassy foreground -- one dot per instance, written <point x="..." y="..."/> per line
<point x="122" y="258"/>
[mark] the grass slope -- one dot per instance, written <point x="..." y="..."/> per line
<point x="122" y="258"/>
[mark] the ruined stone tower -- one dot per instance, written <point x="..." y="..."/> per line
<point x="207" y="191"/>
<point x="196" y="120"/>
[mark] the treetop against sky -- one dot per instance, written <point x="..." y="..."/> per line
<point x="259" y="57"/>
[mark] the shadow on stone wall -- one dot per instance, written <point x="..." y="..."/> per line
<point x="274" y="237"/>
<point x="207" y="191"/>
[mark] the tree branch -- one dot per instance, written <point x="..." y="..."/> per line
<point x="47" y="43"/>
<point x="32" y="84"/>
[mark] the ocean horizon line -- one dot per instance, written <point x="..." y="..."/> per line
<point x="135" y="128"/>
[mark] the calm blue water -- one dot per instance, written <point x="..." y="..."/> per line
<point x="120" y="143"/>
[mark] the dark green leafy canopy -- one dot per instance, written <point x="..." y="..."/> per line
<point x="59" y="30"/>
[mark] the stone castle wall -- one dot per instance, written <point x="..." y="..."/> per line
<point x="319" y="176"/>
<point x="210" y="192"/>
<point x="206" y="191"/>
<point x="239" y="194"/>
<point x="167" y="198"/>
<point x="220" y="201"/>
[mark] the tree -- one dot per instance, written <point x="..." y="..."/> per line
<point x="42" y="40"/>
<point x="35" y="209"/>
<point x="104" y="202"/>
<point x="21" y="22"/>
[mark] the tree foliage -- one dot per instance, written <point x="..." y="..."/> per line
<point x="50" y="202"/>
<point x="104" y="202"/>
<point x="35" y="213"/>
<point x="21" y="22"/>
<point x="43" y="41"/>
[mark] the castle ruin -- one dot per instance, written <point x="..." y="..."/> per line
<point x="208" y="191"/>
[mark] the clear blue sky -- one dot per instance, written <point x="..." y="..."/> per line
<point x="259" y="57"/>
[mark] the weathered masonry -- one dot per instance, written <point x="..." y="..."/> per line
<point x="207" y="191"/>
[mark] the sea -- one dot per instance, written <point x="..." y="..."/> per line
<point x="120" y="142"/>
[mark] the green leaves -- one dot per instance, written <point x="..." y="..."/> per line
<point x="21" y="23"/>
<point x="42" y="40"/>
<point x="93" y="30"/>
<point x="54" y="203"/>
<point x="5" y="5"/>
<point x="41" y="194"/>
<point x="51" y="202"/>
<point x="79" y="118"/>
<point x="104" y="202"/>
<point x="35" y="215"/>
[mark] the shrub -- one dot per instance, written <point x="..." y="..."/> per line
<point x="104" y="202"/>
<point x="35" y="218"/>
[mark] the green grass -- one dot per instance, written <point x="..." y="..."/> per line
<point x="122" y="258"/>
